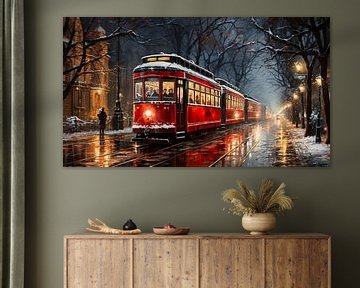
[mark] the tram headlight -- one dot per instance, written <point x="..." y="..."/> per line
<point x="236" y="115"/>
<point x="148" y="113"/>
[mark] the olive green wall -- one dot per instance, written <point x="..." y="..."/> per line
<point x="59" y="200"/>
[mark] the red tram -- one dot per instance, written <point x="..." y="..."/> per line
<point x="174" y="97"/>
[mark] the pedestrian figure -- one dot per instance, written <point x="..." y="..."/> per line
<point x="102" y="120"/>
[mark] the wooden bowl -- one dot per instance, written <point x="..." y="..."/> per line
<point x="171" y="231"/>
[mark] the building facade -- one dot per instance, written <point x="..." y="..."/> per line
<point x="86" y="70"/>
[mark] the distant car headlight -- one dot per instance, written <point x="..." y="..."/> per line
<point x="148" y="113"/>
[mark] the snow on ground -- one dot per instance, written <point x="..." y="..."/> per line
<point x="315" y="153"/>
<point x="70" y="136"/>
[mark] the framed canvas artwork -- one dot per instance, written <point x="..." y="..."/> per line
<point x="196" y="92"/>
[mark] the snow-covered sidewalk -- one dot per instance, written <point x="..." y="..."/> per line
<point x="76" y="135"/>
<point x="314" y="154"/>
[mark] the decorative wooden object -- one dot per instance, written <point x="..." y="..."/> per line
<point x="197" y="261"/>
<point x="100" y="227"/>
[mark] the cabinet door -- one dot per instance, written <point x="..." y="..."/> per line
<point x="165" y="263"/>
<point x="231" y="263"/>
<point x="98" y="263"/>
<point x="287" y="263"/>
<point x="320" y="263"/>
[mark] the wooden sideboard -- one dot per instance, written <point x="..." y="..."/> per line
<point x="197" y="261"/>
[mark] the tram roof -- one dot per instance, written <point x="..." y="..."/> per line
<point x="162" y="61"/>
<point x="252" y="99"/>
<point x="177" y="59"/>
<point x="228" y="84"/>
<point x="231" y="86"/>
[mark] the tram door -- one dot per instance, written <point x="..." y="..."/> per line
<point x="223" y="107"/>
<point x="180" y="106"/>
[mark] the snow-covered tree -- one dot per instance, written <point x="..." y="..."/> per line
<point x="308" y="38"/>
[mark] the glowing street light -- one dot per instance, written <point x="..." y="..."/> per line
<point x="302" y="88"/>
<point x="318" y="81"/>
<point x="300" y="68"/>
<point x="295" y="96"/>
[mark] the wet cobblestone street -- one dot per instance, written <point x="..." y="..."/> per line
<point x="263" y="144"/>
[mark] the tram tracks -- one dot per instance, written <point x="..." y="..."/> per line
<point x="243" y="143"/>
<point x="151" y="155"/>
<point x="167" y="148"/>
<point x="209" y="142"/>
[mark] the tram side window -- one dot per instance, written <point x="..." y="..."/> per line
<point x="203" y="100"/>
<point x="251" y="108"/>
<point x="197" y="98"/>
<point x="152" y="89"/>
<point x="191" y="96"/>
<point x="242" y="104"/>
<point x="168" y="91"/>
<point x="212" y="99"/>
<point x="138" y="96"/>
<point x="212" y="96"/>
<point x="208" y="97"/>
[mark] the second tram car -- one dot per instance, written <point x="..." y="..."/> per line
<point x="174" y="97"/>
<point x="232" y="104"/>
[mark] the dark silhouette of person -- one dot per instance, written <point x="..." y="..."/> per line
<point x="165" y="94"/>
<point x="155" y="94"/>
<point x="102" y="120"/>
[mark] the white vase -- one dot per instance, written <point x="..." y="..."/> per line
<point x="259" y="223"/>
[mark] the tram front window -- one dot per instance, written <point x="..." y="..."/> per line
<point x="152" y="89"/>
<point x="138" y="95"/>
<point x="168" y="91"/>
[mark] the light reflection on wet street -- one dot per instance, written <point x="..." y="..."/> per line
<point x="250" y="145"/>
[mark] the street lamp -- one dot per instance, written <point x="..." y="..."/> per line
<point x="295" y="112"/>
<point x="117" y="119"/>
<point x="318" y="81"/>
<point x="302" y="90"/>
<point x="301" y="74"/>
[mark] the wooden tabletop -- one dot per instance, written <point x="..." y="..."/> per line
<point x="88" y="235"/>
